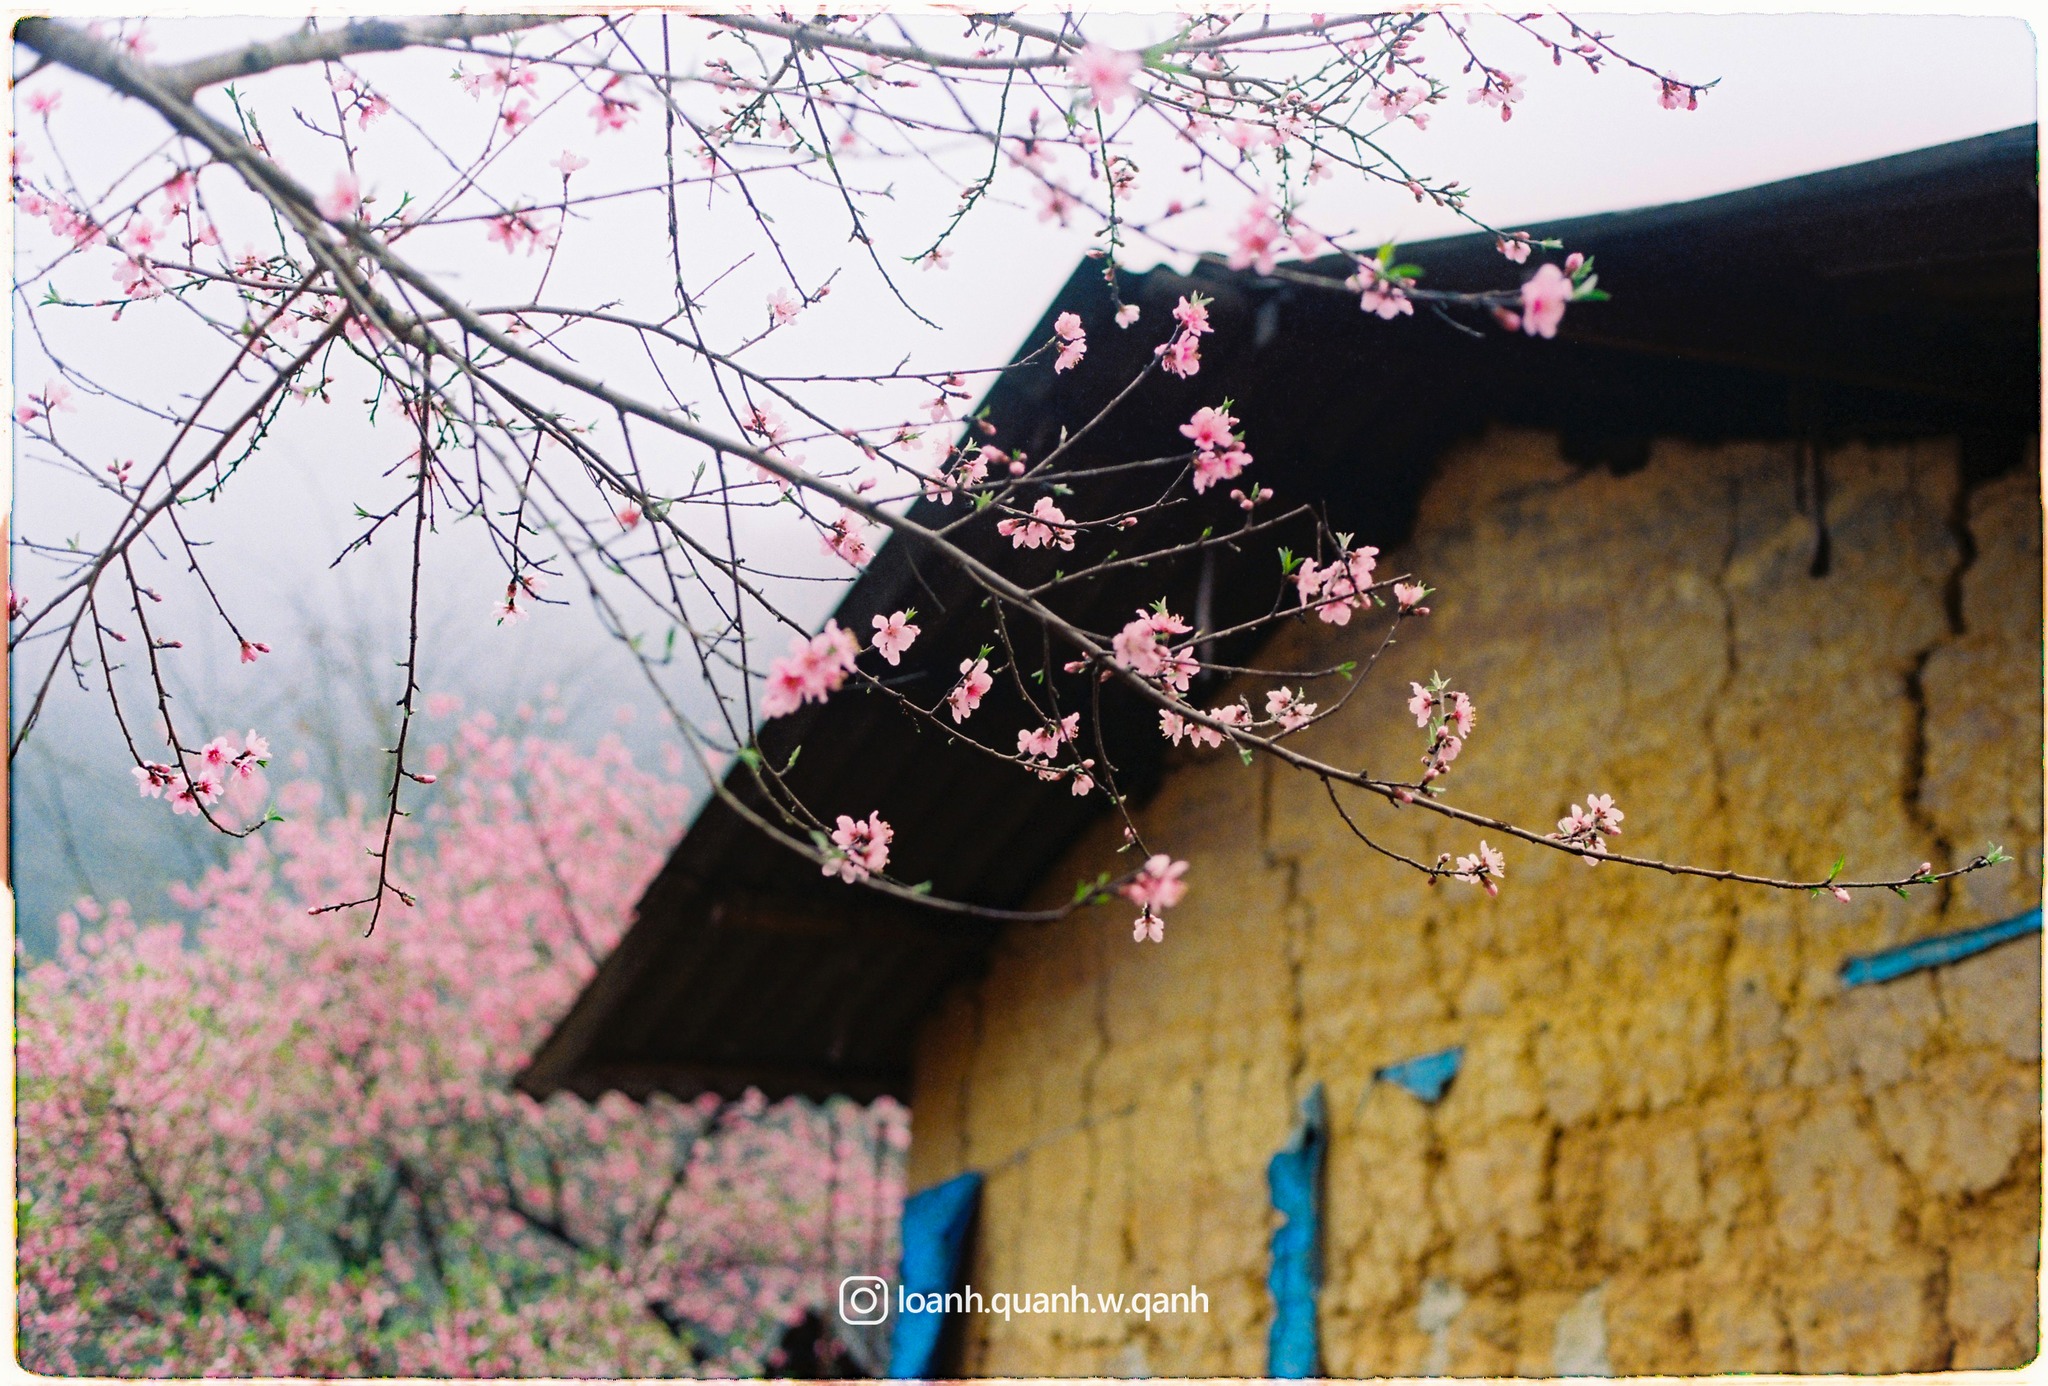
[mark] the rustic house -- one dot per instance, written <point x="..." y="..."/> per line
<point x="1755" y="548"/>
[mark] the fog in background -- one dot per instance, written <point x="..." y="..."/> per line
<point x="1798" y="93"/>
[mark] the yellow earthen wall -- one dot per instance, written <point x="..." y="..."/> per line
<point x="1677" y="1143"/>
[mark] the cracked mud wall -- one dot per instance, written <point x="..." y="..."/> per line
<point x="1677" y="1144"/>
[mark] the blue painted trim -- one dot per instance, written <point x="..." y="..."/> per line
<point x="935" y="1223"/>
<point x="1295" y="1176"/>
<point x="1937" y="951"/>
<point x="1426" y="1075"/>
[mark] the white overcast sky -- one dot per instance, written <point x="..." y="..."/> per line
<point x="1800" y="90"/>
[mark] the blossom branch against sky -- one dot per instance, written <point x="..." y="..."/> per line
<point x="584" y="278"/>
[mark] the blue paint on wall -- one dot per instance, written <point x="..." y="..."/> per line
<point x="1426" y="1075"/>
<point x="935" y="1223"/>
<point x="1934" y="952"/>
<point x="1295" y="1176"/>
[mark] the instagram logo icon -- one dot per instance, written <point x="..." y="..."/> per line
<point x="863" y="1300"/>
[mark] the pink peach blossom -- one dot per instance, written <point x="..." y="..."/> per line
<point x="1544" y="296"/>
<point x="1105" y="72"/>
<point x="974" y="685"/>
<point x="344" y="201"/>
<point x="893" y="635"/>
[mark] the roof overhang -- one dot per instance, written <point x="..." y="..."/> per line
<point x="1893" y="298"/>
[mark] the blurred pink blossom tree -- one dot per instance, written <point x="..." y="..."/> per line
<point x="272" y="1145"/>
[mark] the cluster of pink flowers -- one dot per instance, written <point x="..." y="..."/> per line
<point x="1045" y="742"/>
<point x="1143" y="646"/>
<point x="863" y="848"/>
<point x="765" y="423"/>
<point x="137" y="240"/>
<point x="811" y="672"/>
<point x="1380" y="293"/>
<point x="967" y="694"/>
<point x="205" y="776"/>
<point x="1672" y="94"/>
<point x="1336" y="590"/>
<point x="1289" y="708"/>
<point x="1047" y="527"/>
<point x="1449" y="717"/>
<point x="1485" y="867"/>
<point x="1173" y="726"/>
<point x="1041" y="744"/>
<point x="507" y="608"/>
<point x="501" y="77"/>
<point x="846" y="537"/>
<point x="515" y="229"/>
<point x="56" y="395"/>
<point x="894" y="634"/>
<point x="1591" y="826"/>
<point x="65" y="220"/>
<point x="1157" y="886"/>
<point x="1395" y="102"/>
<point x="1219" y="453"/>
<point x="1182" y="354"/>
<point x="357" y="96"/>
<point x="1256" y="240"/>
<point x="1545" y="295"/>
<point x="612" y="111"/>
<point x="1502" y="89"/>
<point x="1073" y="341"/>
<point x="970" y="468"/>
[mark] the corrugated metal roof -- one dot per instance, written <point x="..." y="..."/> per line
<point x="1892" y="298"/>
